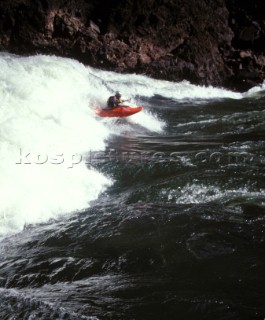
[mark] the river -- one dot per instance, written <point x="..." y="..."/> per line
<point x="160" y="215"/>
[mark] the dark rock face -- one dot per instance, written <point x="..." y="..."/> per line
<point x="248" y="59"/>
<point x="217" y="42"/>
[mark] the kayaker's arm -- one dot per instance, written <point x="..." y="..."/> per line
<point x="121" y="101"/>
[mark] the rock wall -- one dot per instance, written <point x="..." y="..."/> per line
<point x="217" y="42"/>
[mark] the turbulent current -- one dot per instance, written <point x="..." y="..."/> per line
<point x="160" y="215"/>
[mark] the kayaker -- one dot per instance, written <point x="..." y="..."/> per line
<point x="114" y="101"/>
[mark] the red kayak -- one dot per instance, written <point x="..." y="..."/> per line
<point x="120" y="111"/>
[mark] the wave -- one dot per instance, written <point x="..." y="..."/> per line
<point x="194" y="193"/>
<point x="49" y="127"/>
<point x="255" y="91"/>
<point x="148" y="87"/>
<point x="46" y="132"/>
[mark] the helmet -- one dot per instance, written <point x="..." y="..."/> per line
<point x="117" y="94"/>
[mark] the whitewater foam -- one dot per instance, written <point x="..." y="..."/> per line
<point x="255" y="90"/>
<point x="196" y="193"/>
<point x="148" y="87"/>
<point x="44" y="114"/>
<point x="48" y="127"/>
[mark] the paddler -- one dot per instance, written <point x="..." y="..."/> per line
<point x="114" y="101"/>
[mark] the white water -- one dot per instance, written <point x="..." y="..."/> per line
<point x="200" y="193"/>
<point x="48" y="127"/>
<point x="44" y="111"/>
<point x="148" y="87"/>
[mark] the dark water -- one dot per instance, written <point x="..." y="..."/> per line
<point x="179" y="235"/>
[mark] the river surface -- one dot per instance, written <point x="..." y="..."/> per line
<point x="157" y="216"/>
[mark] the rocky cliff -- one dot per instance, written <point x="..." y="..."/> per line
<point x="220" y="42"/>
